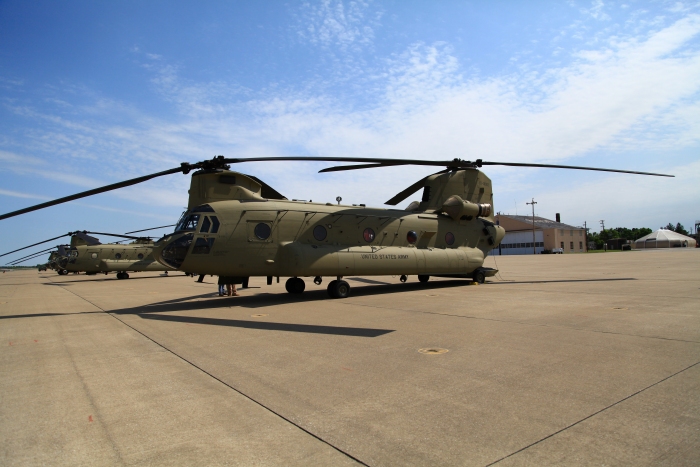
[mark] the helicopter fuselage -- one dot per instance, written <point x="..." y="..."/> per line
<point x="260" y="237"/>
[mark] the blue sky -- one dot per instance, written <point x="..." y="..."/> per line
<point x="95" y="92"/>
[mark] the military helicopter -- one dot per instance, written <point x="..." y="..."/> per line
<point x="238" y="226"/>
<point x="87" y="254"/>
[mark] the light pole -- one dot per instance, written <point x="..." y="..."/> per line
<point x="533" y="225"/>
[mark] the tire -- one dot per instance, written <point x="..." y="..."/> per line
<point x="295" y="285"/>
<point x="331" y="288"/>
<point x="120" y="275"/>
<point x="479" y="277"/>
<point x="423" y="278"/>
<point x="340" y="289"/>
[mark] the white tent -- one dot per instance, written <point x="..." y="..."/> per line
<point x="665" y="239"/>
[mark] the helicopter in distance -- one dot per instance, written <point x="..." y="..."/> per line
<point x="238" y="226"/>
<point x="87" y="254"/>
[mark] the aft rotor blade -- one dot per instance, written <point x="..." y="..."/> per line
<point x="556" y="166"/>
<point x="95" y="191"/>
<point x="152" y="228"/>
<point x="339" y="168"/>
<point x="34" y="244"/>
<point x="411" y="189"/>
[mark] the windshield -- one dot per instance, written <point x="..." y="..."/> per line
<point x="187" y="222"/>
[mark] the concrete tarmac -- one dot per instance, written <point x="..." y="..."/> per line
<point x="580" y="359"/>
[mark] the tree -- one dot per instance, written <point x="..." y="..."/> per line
<point x="681" y="230"/>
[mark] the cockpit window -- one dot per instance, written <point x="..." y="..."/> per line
<point x="203" y="208"/>
<point x="215" y="224"/>
<point x="206" y="223"/>
<point x="187" y="223"/>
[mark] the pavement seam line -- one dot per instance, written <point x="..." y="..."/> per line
<point x="591" y="415"/>
<point x="526" y="324"/>
<point x="223" y="382"/>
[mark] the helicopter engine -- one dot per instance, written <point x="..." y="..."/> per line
<point x="456" y="208"/>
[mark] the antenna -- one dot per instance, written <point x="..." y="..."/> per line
<point x="533" y="225"/>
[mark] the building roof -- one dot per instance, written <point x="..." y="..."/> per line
<point x="540" y="222"/>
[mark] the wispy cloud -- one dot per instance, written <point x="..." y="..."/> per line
<point x="338" y="23"/>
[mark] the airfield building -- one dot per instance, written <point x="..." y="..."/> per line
<point x="663" y="238"/>
<point x="549" y="236"/>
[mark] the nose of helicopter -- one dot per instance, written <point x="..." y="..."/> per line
<point x="171" y="250"/>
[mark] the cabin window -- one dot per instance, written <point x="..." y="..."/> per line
<point x="449" y="238"/>
<point x="206" y="223"/>
<point x="202" y="246"/>
<point x="140" y="256"/>
<point x="262" y="231"/>
<point x="412" y="237"/>
<point x="93" y="256"/>
<point x="320" y="233"/>
<point x="368" y="235"/>
<point x="118" y="256"/>
<point x="214" y="224"/>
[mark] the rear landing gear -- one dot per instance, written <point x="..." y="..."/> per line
<point x="295" y="285"/>
<point x="122" y="275"/>
<point x="338" y="289"/>
<point x="423" y="278"/>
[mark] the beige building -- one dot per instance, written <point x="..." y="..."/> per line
<point x="549" y="235"/>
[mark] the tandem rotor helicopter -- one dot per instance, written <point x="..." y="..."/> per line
<point x="87" y="254"/>
<point x="238" y="226"/>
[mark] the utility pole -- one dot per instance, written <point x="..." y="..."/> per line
<point x="533" y="225"/>
<point x="605" y="244"/>
<point x="602" y="224"/>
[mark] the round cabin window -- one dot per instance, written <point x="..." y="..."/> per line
<point x="368" y="235"/>
<point x="449" y="238"/>
<point x="412" y="237"/>
<point x="118" y="256"/>
<point x="93" y="256"/>
<point x="263" y="231"/>
<point x="140" y="256"/>
<point x="320" y="233"/>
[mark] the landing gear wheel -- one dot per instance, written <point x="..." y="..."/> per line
<point x="403" y="278"/>
<point x="423" y="278"/>
<point x="338" y="289"/>
<point x="295" y="285"/>
<point x="62" y="272"/>
<point x="479" y="277"/>
<point x="122" y="275"/>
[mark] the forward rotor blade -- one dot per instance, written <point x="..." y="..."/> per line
<point x="111" y="235"/>
<point x="152" y="228"/>
<point x="556" y="166"/>
<point x="26" y="258"/>
<point x="37" y="253"/>
<point x="34" y="244"/>
<point x="266" y="190"/>
<point x="95" y="191"/>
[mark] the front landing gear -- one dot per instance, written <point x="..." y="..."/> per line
<point x="338" y="289"/>
<point x="295" y="285"/>
<point x="122" y="275"/>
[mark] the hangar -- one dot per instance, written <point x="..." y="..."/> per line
<point x="549" y="235"/>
